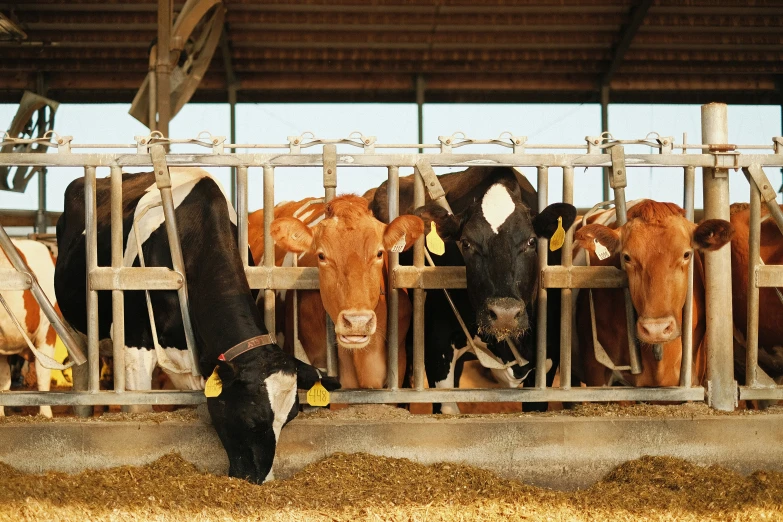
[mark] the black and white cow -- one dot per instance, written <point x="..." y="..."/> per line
<point x="259" y="380"/>
<point x="497" y="224"/>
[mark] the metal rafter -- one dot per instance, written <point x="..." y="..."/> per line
<point x="626" y="37"/>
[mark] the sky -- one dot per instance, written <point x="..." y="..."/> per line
<point x="396" y="123"/>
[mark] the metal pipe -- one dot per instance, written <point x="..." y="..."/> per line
<point x="91" y="242"/>
<point x="117" y="296"/>
<point x="418" y="293"/>
<point x="605" y="128"/>
<point x="754" y="248"/>
<point x="41" y="219"/>
<point x="393" y="296"/>
<point x="269" y="245"/>
<point x="162" y="66"/>
<point x="420" y="89"/>
<point x="232" y="104"/>
<point x="242" y="213"/>
<point x="330" y="188"/>
<point x="721" y="389"/>
<point x="686" y="366"/>
<point x="566" y="310"/>
<point x="542" y="188"/>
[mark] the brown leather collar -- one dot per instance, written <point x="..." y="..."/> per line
<point x="246" y="346"/>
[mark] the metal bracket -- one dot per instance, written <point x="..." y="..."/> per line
<point x="778" y="144"/>
<point x="432" y="184"/>
<point x="518" y="144"/>
<point x="726" y="157"/>
<point x="756" y="173"/>
<point x="617" y="178"/>
<point x="368" y="142"/>
<point x="708" y="393"/>
<point x="666" y="143"/>
<point x="594" y="144"/>
<point x="330" y="166"/>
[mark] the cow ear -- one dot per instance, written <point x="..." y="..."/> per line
<point x="291" y="235"/>
<point x="227" y="372"/>
<point x="712" y="234"/>
<point x="545" y="223"/>
<point x="587" y="235"/>
<point x="448" y="225"/>
<point x="411" y="227"/>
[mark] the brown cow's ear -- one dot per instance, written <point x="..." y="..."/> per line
<point x="587" y="235"/>
<point x="448" y="225"/>
<point x="292" y="235"/>
<point x="712" y="234"/>
<point x="411" y="226"/>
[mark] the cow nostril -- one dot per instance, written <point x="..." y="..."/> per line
<point x="492" y="315"/>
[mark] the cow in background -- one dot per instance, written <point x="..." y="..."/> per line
<point x="497" y="223"/>
<point x="29" y="314"/>
<point x="349" y="247"/>
<point x="770" y="340"/>
<point x="657" y="244"/>
<point x="259" y="381"/>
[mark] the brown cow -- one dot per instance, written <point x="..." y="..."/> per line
<point x="770" y="340"/>
<point x="656" y="245"/>
<point x="349" y="247"/>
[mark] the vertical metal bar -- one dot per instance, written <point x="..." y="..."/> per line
<point x="242" y="214"/>
<point x="232" y="104"/>
<point x="330" y="188"/>
<point x="393" y="297"/>
<point x="420" y="89"/>
<point x="91" y="236"/>
<point x="605" y="128"/>
<point x="269" y="245"/>
<point x="418" y="293"/>
<point x="117" y="296"/>
<point x="41" y="220"/>
<point x="721" y="387"/>
<point x="686" y="367"/>
<point x="566" y="311"/>
<point x="153" y="109"/>
<point x="754" y="247"/>
<point x="162" y="66"/>
<point x="543" y="197"/>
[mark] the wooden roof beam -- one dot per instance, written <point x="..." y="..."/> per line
<point x="626" y="37"/>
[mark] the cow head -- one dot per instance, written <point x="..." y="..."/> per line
<point x="498" y="236"/>
<point x="350" y="246"/>
<point x="656" y="247"/>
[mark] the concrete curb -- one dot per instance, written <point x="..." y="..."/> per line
<point x="555" y="452"/>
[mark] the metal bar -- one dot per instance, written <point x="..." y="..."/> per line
<point x="242" y="213"/>
<point x="721" y="387"/>
<point x="163" y="181"/>
<point x="117" y="296"/>
<point x="584" y="277"/>
<point x="618" y="182"/>
<point x="418" y="293"/>
<point x="605" y="128"/>
<point x="566" y="309"/>
<point x="769" y="276"/>
<point x="41" y="219"/>
<point x="598" y="394"/>
<point x="11" y="280"/>
<point x="330" y="188"/>
<point x="393" y="300"/>
<point x="768" y="194"/>
<point x="420" y="90"/>
<point x="542" y="189"/>
<point x="269" y="245"/>
<point x="162" y="66"/>
<point x="91" y="242"/>
<point x="747" y="393"/>
<point x="635" y="20"/>
<point x="686" y="365"/>
<point x="754" y="248"/>
<point x="135" y="278"/>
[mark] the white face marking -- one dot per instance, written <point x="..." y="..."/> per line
<point x="281" y="388"/>
<point x="497" y="206"/>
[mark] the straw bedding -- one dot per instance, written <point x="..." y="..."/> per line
<point x="362" y="487"/>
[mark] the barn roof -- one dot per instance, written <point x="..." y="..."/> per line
<point x="662" y="51"/>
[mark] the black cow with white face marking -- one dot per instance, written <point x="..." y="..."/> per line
<point x="259" y="380"/>
<point x="496" y="223"/>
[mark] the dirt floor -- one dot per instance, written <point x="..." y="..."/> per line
<point x="362" y="487"/>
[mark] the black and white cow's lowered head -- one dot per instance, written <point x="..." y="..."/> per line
<point x="498" y="237"/>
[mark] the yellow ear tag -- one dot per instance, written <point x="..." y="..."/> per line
<point x="558" y="237"/>
<point x="214" y="385"/>
<point x="318" y="395"/>
<point x="434" y="242"/>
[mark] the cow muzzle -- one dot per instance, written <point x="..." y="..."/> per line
<point x="503" y="317"/>
<point x="353" y="328"/>
<point x="657" y="330"/>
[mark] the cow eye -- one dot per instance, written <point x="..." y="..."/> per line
<point x="687" y="255"/>
<point x="531" y="241"/>
<point x="379" y="254"/>
<point x="321" y="256"/>
<point x="626" y="258"/>
<point x="466" y="244"/>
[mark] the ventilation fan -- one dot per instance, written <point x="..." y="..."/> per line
<point x="34" y="119"/>
<point x="194" y="38"/>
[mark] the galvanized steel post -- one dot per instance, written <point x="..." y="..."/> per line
<point x="754" y="247"/>
<point x="330" y="189"/>
<point x="269" y="245"/>
<point x="542" y="188"/>
<point x="566" y="310"/>
<point x="163" y="67"/>
<point x="721" y="387"/>
<point x="686" y="365"/>
<point x="393" y="296"/>
<point x="91" y="243"/>
<point x="242" y="214"/>
<point x="418" y="293"/>
<point x="117" y="296"/>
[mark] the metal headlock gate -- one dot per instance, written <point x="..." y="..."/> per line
<point x="715" y="157"/>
